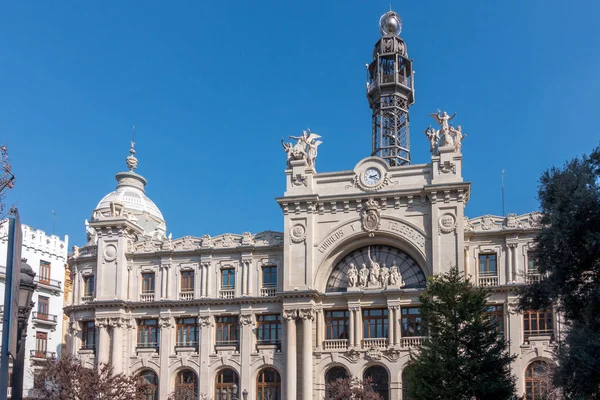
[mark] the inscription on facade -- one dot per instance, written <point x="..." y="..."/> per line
<point x="408" y="232"/>
<point x="334" y="237"/>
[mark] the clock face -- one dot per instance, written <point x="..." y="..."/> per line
<point x="372" y="176"/>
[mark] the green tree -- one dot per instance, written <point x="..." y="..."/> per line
<point x="568" y="257"/>
<point x="464" y="355"/>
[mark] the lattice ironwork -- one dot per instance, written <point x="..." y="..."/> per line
<point x="410" y="271"/>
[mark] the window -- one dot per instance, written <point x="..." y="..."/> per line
<point x="149" y="381"/>
<point x="532" y="267"/>
<point x="268" y="329"/>
<point x="148" y="333"/>
<point x="375" y="323"/>
<point x="495" y="312"/>
<point x="335" y="373"/>
<point x="269" y="273"/>
<point x="224" y="382"/>
<point x="227" y="279"/>
<point x="148" y="282"/>
<point x="537" y="323"/>
<point x="88" y="335"/>
<point x="268" y="384"/>
<point x="89" y="285"/>
<point x="187" y="332"/>
<point x="228" y="330"/>
<point x="187" y="281"/>
<point x="336" y="324"/>
<point x="43" y="307"/>
<point x="536" y="380"/>
<point x="44" y="272"/>
<point x="41" y="344"/>
<point x="380" y="378"/>
<point x="487" y="265"/>
<point x="186" y="385"/>
<point x="412" y="324"/>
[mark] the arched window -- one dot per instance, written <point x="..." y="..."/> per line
<point x="379" y="379"/>
<point x="149" y="380"/>
<point x="226" y="384"/>
<point x="537" y="378"/>
<point x="268" y="384"/>
<point x="410" y="275"/>
<point x="186" y="385"/>
<point x="335" y="373"/>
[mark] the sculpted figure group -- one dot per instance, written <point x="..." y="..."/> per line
<point x="305" y="148"/>
<point x="447" y="135"/>
<point x="374" y="277"/>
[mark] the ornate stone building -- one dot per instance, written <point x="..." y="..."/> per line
<point x="278" y="314"/>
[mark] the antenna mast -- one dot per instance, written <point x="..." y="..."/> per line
<point x="504" y="215"/>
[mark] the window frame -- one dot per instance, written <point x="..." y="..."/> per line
<point x="411" y="321"/>
<point x="88" y="334"/>
<point x="529" y="322"/>
<point x="186" y="327"/>
<point x="486" y="272"/>
<point x="375" y="324"/>
<point x="89" y="285"/>
<point x="495" y="312"/>
<point x="187" y="279"/>
<point x="45" y="272"/>
<point x="266" y="328"/>
<point x="227" y="329"/>
<point x="43" y="307"/>
<point x="41" y="344"/>
<point x="333" y="323"/>
<point x="269" y="271"/>
<point x="147" y="331"/>
<point x="228" y="275"/>
<point x="152" y="281"/>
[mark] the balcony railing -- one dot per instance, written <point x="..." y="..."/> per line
<point x="147" y="297"/>
<point x="227" y="343"/>
<point x="50" y="318"/>
<point x="335" y="344"/>
<point x="374" y="342"/>
<point x="529" y="334"/>
<point x="148" y="345"/>
<point x="187" y="295"/>
<point x="267" y="291"/>
<point x="532" y="277"/>
<point x="414" y="341"/>
<point x="42" y="354"/>
<point x="86" y="298"/>
<point x="90" y="251"/>
<point x="227" y="293"/>
<point x="53" y="283"/>
<point x="488" y="280"/>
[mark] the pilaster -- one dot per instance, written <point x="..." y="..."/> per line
<point x="246" y="348"/>
<point x="206" y="324"/>
<point x="166" y="323"/>
<point x="290" y="353"/>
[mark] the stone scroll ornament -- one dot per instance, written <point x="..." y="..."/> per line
<point x="305" y="148"/>
<point x="445" y="137"/>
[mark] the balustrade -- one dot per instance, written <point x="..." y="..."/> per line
<point x="488" y="281"/>
<point x="374" y="342"/>
<point x="267" y="291"/>
<point x="227" y="293"/>
<point x="186" y="296"/>
<point x="147" y="297"/>
<point x="335" y="344"/>
<point x="414" y="341"/>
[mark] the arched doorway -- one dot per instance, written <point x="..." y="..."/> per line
<point x="226" y="384"/>
<point x="268" y="384"/>
<point x="379" y="379"/>
<point x="149" y="380"/>
<point x="537" y="379"/>
<point x="186" y="385"/>
<point x="335" y="373"/>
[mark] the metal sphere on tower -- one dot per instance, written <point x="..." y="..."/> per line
<point x="390" y="24"/>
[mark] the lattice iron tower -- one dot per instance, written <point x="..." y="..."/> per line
<point x="390" y="90"/>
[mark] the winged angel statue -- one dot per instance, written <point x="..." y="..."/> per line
<point x="304" y="149"/>
<point x="450" y="136"/>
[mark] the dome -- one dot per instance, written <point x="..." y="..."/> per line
<point x="134" y="202"/>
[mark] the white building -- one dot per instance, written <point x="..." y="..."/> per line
<point x="47" y="256"/>
<point x="335" y="293"/>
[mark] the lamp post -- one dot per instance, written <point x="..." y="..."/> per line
<point x="234" y="390"/>
<point x="26" y="288"/>
<point x="245" y="394"/>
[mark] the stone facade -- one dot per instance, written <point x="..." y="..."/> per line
<point x="47" y="256"/>
<point x="281" y="312"/>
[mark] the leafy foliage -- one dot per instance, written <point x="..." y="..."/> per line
<point x="67" y="379"/>
<point x="351" y="388"/>
<point x="464" y="356"/>
<point x="568" y="257"/>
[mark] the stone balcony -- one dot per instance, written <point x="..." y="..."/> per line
<point x="52" y="285"/>
<point x="378" y="343"/>
<point x="267" y="291"/>
<point x="41" y="355"/>
<point x="39" y="318"/>
<point x="86" y="298"/>
<point x="414" y="341"/>
<point x="488" y="280"/>
<point x="335" y="344"/>
<point x="146" y="297"/>
<point x="186" y="295"/>
<point x="531" y="277"/>
<point x="227" y="293"/>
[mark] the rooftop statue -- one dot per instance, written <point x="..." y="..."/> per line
<point x="305" y="148"/>
<point x="447" y="135"/>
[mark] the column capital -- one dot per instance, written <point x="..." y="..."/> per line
<point x="101" y="323"/>
<point x="290" y="314"/>
<point x="115" y="322"/>
<point x="205" y="321"/>
<point x="306" y="314"/>
<point x="165" y="322"/>
<point x="205" y="264"/>
<point x="353" y="308"/>
<point x="74" y="327"/>
<point x="246" y="319"/>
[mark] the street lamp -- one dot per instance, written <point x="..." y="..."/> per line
<point x="234" y="390"/>
<point x="245" y="394"/>
<point x="27" y="286"/>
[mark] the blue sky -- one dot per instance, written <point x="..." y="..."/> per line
<point x="212" y="87"/>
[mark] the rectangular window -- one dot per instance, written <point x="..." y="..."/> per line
<point x="187" y="281"/>
<point x="43" y="307"/>
<point x="41" y="344"/>
<point x="487" y="265"/>
<point x="336" y="324"/>
<point x="412" y="324"/>
<point x="187" y="332"/>
<point x="89" y="285"/>
<point x="148" y="282"/>
<point x="268" y="329"/>
<point x="537" y="323"/>
<point x="88" y="335"/>
<point x="532" y="267"/>
<point x="375" y="323"/>
<point x="269" y="274"/>
<point x="148" y="333"/>
<point x="228" y="330"/>
<point x="228" y="278"/>
<point x="495" y="313"/>
<point x="45" y="272"/>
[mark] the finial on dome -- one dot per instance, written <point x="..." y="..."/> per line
<point x="131" y="161"/>
<point x="390" y="23"/>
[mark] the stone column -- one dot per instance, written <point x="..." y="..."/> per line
<point x="129" y="325"/>
<point x="76" y="286"/>
<point x="116" y="358"/>
<point x="290" y="353"/>
<point x="246" y="324"/>
<point x="103" y="348"/>
<point x="351" y="329"/>
<point x="204" y="269"/>
<point x="75" y="337"/>
<point x="206" y="323"/>
<point x="319" y="328"/>
<point x="391" y="326"/>
<point x="249" y="278"/>
<point x="509" y="251"/>
<point x="358" y="325"/>
<point x="165" y="350"/>
<point x="307" y="316"/>
<point x="398" y="325"/>
<point x="515" y="263"/>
